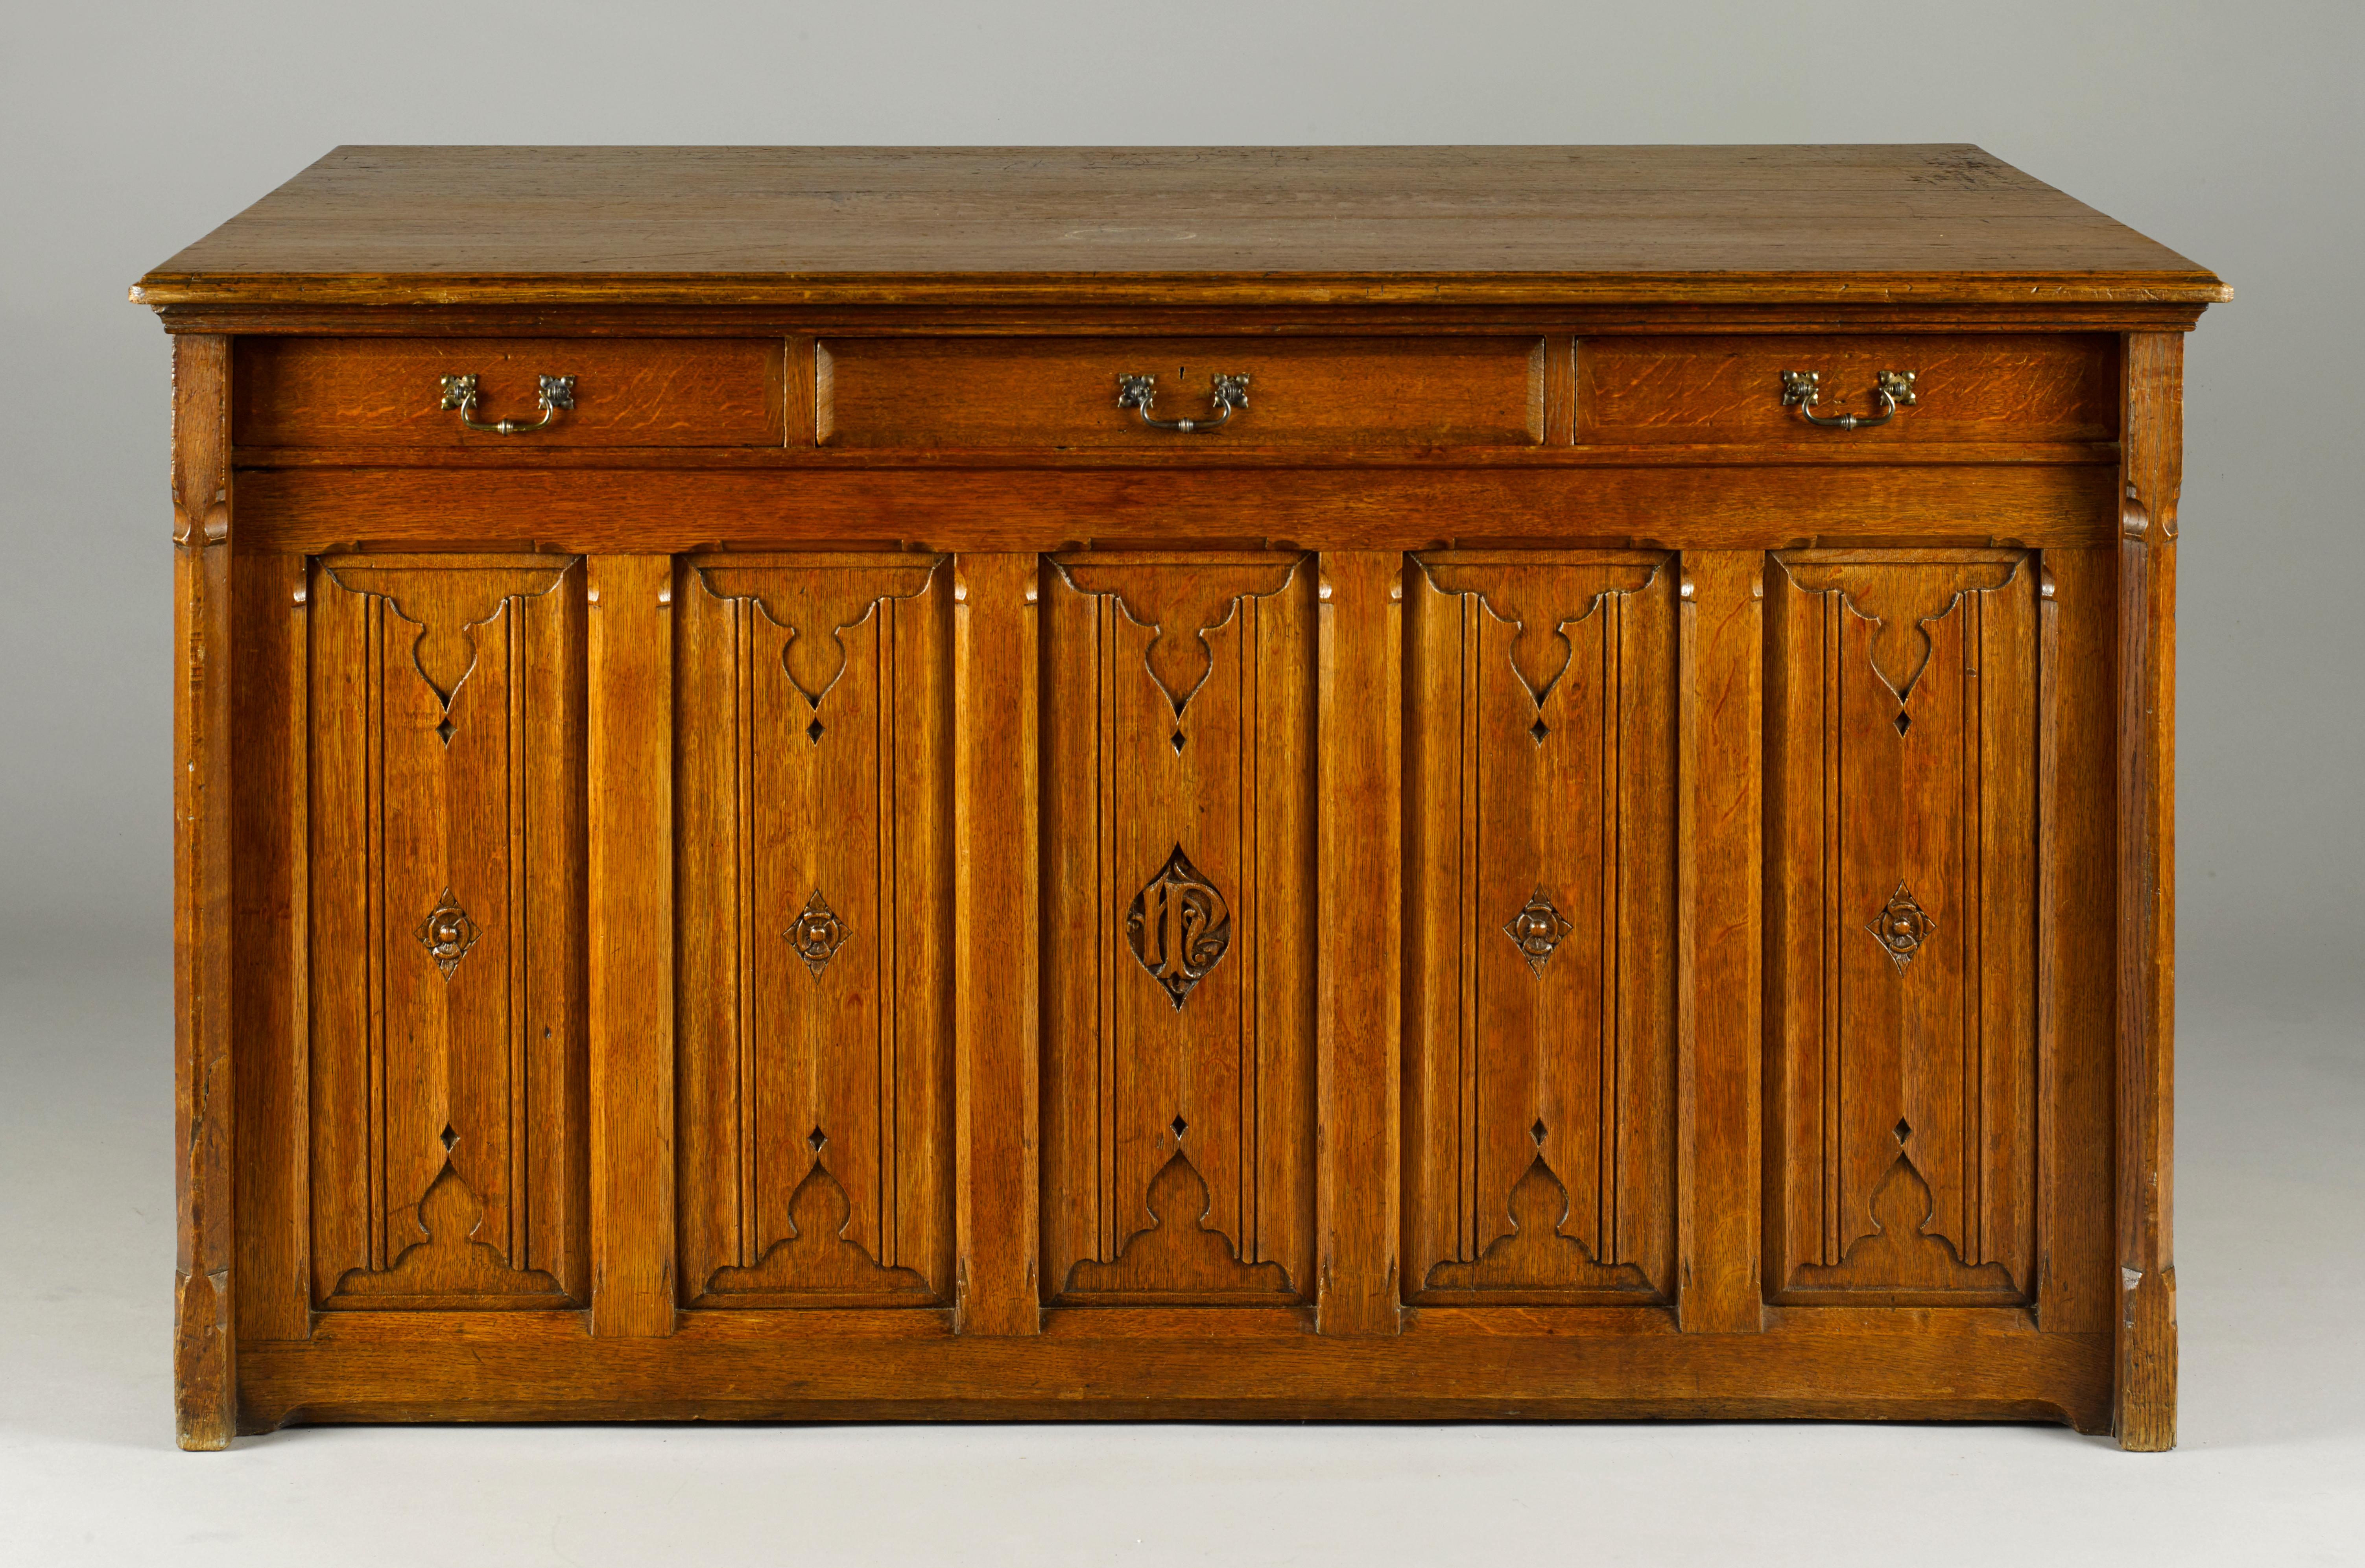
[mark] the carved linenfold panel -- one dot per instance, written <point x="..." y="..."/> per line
<point x="816" y="608"/>
<point x="1540" y="770"/>
<point x="1902" y="773"/>
<point x="1178" y="900"/>
<point x="1539" y="599"/>
<point x="446" y="821"/>
<point x="817" y="1258"/>
<point x="812" y="749"/>
<point x="1176" y="1256"/>
<point x="1901" y="598"/>
<point x="447" y="1264"/>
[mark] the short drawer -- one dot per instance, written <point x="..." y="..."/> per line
<point x="983" y="394"/>
<point x="390" y="392"/>
<point x="1966" y="388"/>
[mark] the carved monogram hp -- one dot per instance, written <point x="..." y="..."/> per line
<point x="1178" y="926"/>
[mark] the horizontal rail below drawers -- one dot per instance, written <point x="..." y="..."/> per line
<point x="1210" y="457"/>
<point x="310" y="509"/>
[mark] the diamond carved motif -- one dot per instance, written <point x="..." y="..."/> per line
<point x="447" y="933"/>
<point x="1178" y="926"/>
<point x="815" y="934"/>
<point x="1537" y="929"/>
<point x="1902" y="926"/>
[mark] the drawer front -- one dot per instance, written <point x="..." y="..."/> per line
<point x="2005" y="386"/>
<point x="389" y="392"/>
<point x="984" y="394"/>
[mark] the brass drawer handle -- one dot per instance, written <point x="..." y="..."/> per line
<point x="1137" y="392"/>
<point x="1892" y="388"/>
<point x="460" y="392"/>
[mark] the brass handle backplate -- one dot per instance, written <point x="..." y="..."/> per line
<point x="1231" y="395"/>
<point x="556" y="392"/>
<point x="1891" y="389"/>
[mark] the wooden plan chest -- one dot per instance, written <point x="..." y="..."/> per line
<point x="1247" y="783"/>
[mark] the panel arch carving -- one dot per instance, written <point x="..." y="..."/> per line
<point x="817" y="600"/>
<point x="1179" y="600"/>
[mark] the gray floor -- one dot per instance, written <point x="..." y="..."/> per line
<point x="2273" y="1470"/>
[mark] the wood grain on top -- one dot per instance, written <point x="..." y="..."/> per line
<point x="757" y="225"/>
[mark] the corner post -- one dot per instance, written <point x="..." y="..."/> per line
<point x="204" y="1367"/>
<point x="2143" y="1382"/>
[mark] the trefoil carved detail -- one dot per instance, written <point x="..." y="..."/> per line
<point x="816" y="934"/>
<point x="1537" y="930"/>
<point x="447" y="933"/>
<point x="1178" y="926"/>
<point x="1902" y="926"/>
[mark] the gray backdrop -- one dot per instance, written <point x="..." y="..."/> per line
<point x="2232" y="133"/>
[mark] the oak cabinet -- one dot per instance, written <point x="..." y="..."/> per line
<point x="1524" y="815"/>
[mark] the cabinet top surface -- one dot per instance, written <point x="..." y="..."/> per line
<point x="1248" y="225"/>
